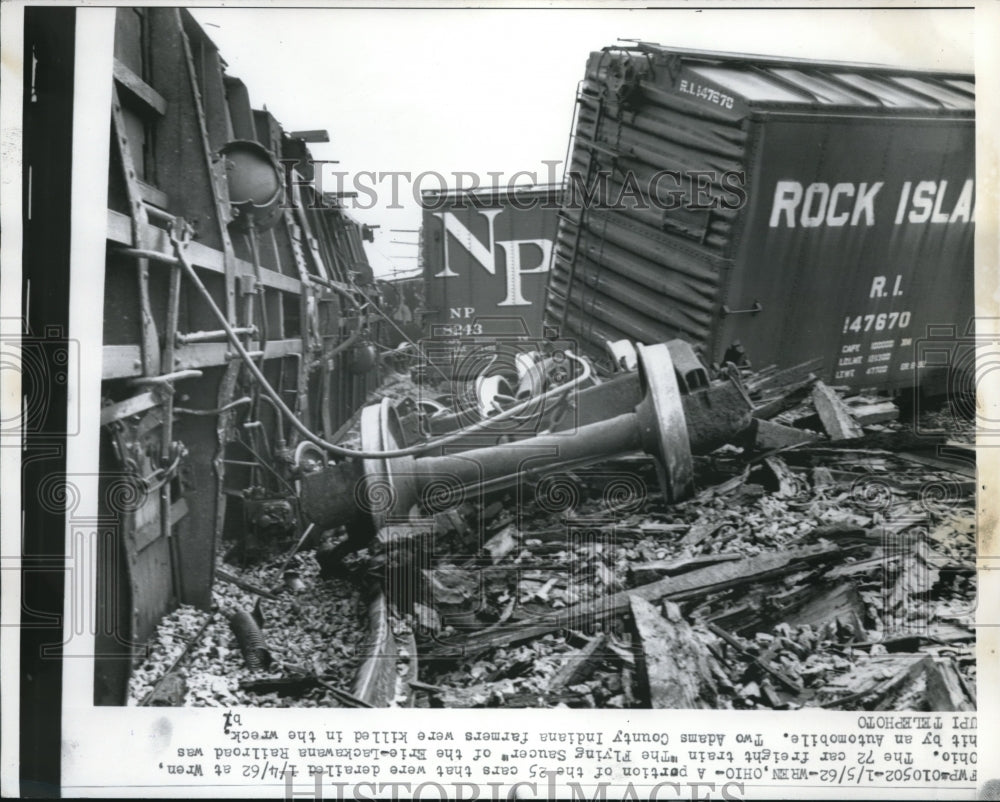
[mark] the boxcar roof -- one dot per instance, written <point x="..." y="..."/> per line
<point x="767" y="81"/>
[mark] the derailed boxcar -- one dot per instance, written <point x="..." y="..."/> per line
<point x="403" y="299"/>
<point x="803" y="210"/>
<point x="213" y="225"/>
<point x="486" y="253"/>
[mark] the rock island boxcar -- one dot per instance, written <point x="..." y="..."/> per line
<point x="791" y="209"/>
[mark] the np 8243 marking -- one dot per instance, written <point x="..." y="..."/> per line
<point x="459" y="329"/>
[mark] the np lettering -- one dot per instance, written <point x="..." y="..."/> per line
<point x="516" y="253"/>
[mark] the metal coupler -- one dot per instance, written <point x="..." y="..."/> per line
<point x="377" y="492"/>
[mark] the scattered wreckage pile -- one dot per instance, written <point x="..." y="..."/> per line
<point x="660" y="538"/>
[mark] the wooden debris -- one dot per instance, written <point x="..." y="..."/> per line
<point x="918" y="572"/>
<point x="503" y="694"/>
<point x="723" y="489"/>
<point x="699" y="533"/>
<point x="770" y="436"/>
<point x="427" y="618"/>
<point x="768" y="380"/>
<point x="169" y="691"/>
<point x="673" y="669"/>
<point x="690" y="585"/>
<point x="407" y="667"/>
<point x="840" y="604"/>
<point x="249" y="587"/>
<point x="605" y="575"/>
<point x="579" y="664"/>
<point x="771" y="697"/>
<point x="862" y="566"/>
<point x="873" y="443"/>
<point x="841" y="532"/>
<point x="821" y="592"/>
<point x="170" y="678"/>
<point x="543" y="592"/>
<point x="790" y="684"/>
<point x="789" y="397"/>
<point x="878" y="679"/>
<point x="944" y="690"/>
<point x="643" y="573"/>
<point x="299" y="684"/>
<point x="451" y="587"/>
<point x="952" y="459"/>
<point x="822" y="477"/>
<point x="661" y="529"/>
<point x="621" y="651"/>
<point x="502" y="543"/>
<point x="283" y="686"/>
<point x="788" y="484"/>
<point x="492" y="510"/>
<point x="777" y="391"/>
<point x="867" y="414"/>
<point x="834" y="413"/>
<point x="345" y="698"/>
<point x="395" y="536"/>
<point x="450" y="521"/>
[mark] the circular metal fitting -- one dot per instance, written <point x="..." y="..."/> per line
<point x="389" y="490"/>
<point x="255" y="184"/>
<point x="660" y="416"/>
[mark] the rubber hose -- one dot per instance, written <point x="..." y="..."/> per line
<point x="250" y="639"/>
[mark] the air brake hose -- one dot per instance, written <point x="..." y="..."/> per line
<point x="331" y="447"/>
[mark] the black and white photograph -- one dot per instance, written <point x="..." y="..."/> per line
<point x="446" y="391"/>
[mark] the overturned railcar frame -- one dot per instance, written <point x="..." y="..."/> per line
<point x="212" y="225"/>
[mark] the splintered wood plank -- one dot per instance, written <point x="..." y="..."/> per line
<point x="697" y="583"/>
<point x="769" y="435"/>
<point x="791" y="397"/>
<point x="699" y="532"/>
<point x="579" y="664"/>
<point x="867" y="414"/>
<point x="955" y="460"/>
<point x="674" y="665"/>
<point x="502" y="543"/>
<point x="652" y="570"/>
<point x="918" y="572"/>
<point x="788" y="682"/>
<point x="835" y="414"/>
<point x="451" y="587"/>
<point x="767" y="379"/>
<point x="837" y="605"/>
<point x="875" y="682"/>
<point x="787" y="484"/>
<point x="945" y="691"/>
<point x="232" y="579"/>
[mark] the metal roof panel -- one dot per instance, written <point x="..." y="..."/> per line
<point x="944" y="95"/>
<point x="888" y="94"/>
<point x="825" y="91"/>
<point x="751" y="85"/>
